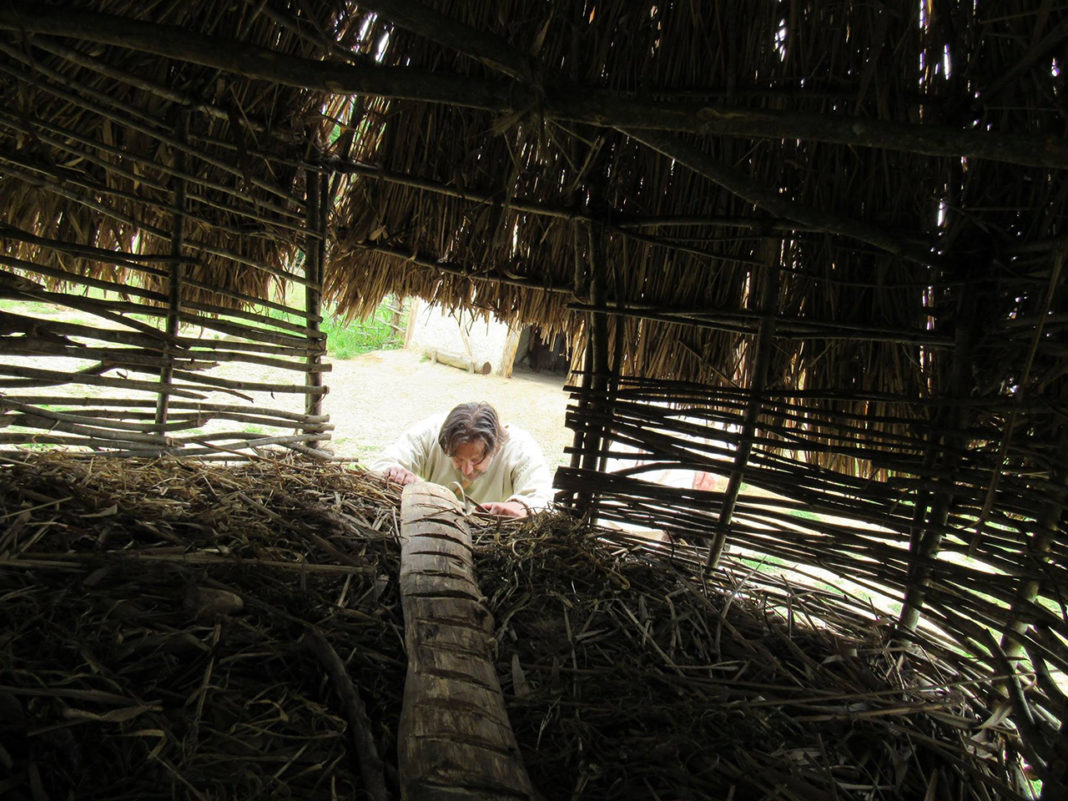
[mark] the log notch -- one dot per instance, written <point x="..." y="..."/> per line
<point x="455" y="741"/>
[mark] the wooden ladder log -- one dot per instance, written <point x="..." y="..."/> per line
<point x="455" y="741"/>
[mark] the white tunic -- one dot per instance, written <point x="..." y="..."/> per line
<point x="517" y="472"/>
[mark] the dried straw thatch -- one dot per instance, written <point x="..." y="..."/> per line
<point x="814" y="249"/>
<point x="176" y="630"/>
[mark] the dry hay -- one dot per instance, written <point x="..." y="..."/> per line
<point x="160" y="620"/>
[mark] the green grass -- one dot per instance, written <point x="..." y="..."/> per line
<point x="35" y="307"/>
<point x="763" y="564"/>
<point x="345" y="340"/>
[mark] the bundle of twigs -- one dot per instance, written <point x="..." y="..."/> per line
<point x="174" y="629"/>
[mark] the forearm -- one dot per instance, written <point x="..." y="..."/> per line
<point x="406" y="455"/>
<point x="398" y="474"/>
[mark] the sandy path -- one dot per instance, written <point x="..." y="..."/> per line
<point x="375" y="396"/>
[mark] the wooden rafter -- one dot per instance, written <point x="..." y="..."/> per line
<point x="573" y="104"/>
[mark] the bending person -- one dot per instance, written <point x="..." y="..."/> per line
<point x="499" y="468"/>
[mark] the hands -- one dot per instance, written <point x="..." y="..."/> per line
<point x="399" y="475"/>
<point x="504" y="508"/>
<point x="403" y="476"/>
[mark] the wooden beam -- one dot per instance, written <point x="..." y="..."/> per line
<point x="597" y="344"/>
<point x="763" y="350"/>
<point x="491" y="50"/>
<point x="314" y="257"/>
<point x="174" y="278"/>
<point x="1040" y="550"/>
<point x="948" y="443"/>
<point x="466" y="363"/>
<point x="583" y="104"/>
<point x="454" y="731"/>
<point x="771" y="200"/>
<point x="1023" y="384"/>
<point x="511" y="345"/>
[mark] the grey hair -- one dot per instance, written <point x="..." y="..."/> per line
<point x="472" y="422"/>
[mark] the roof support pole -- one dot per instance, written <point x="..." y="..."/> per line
<point x="314" y="256"/>
<point x="1049" y="523"/>
<point x="595" y="408"/>
<point x="174" y="283"/>
<point x="602" y="368"/>
<point x="619" y="334"/>
<point x="579" y="502"/>
<point x="950" y="421"/>
<point x="587" y="357"/>
<point x="1051" y="746"/>
<point x="1020" y="394"/>
<point x="763" y="348"/>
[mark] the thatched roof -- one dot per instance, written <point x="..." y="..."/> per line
<point x="98" y="141"/>
<point x="816" y="249"/>
<point x="652" y="161"/>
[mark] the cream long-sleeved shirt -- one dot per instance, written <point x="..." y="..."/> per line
<point x="517" y="472"/>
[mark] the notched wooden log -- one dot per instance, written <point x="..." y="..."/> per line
<point x="455" y="741"/>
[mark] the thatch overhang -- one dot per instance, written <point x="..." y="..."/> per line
<point x="99" y="137"/>
<point x="815" y="249"/>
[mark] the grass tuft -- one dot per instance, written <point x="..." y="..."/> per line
<point x="381" y="331"/>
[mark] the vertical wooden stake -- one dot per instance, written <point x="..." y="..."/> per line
<point x="174" y="287"/>
<point x="315" y="255"/>
<point x="762" y="347"/>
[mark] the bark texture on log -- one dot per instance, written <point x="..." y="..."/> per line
<point x="455" y="741"/>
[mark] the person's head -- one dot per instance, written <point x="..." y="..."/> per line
<point x="470" y="436"/>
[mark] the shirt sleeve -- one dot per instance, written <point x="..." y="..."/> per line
<point x="411" y="450"/>
<point x="532" y="484"/>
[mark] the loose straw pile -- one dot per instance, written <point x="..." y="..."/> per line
<point x="173" y="629"/>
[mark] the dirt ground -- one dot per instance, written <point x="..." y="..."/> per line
<point x="375" y="396"/>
